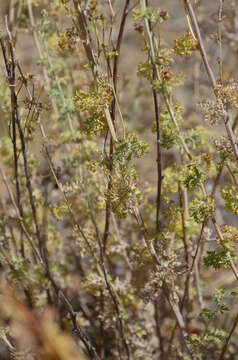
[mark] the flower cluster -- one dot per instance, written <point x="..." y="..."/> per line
<point x="68" y="40"/>
<point x="228" y="93"/>
<point x="186" y="45"/>
<point x="91" y="104"/>
<point x="201" y="209"/>
<point x="226" y="99"/>
<point x="193" y="176"/>
<point x="124" y="194"/>
<point x="230" y="195"/>
<point x="214" y="111"/>
<point x="128" y="148"/>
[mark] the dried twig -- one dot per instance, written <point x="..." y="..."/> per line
<point x="189" y="9"/>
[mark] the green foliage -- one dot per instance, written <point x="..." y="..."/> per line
<point x="221" y="306"/>
<point x="201" y="210"/>
<point x="209" y="343"/>
<point x="145" y="70"/>
<point x="6" y="150"/>
<point x="218" y="258"/>
<point x="186" y="45"/>
<point x="91" y="104"/>
<point x="129" y="148"/>
<point x="170" y="181"/>
<point x="208" y="314"/>
<point x="198" y="138"/>
<point x="230" y="195"/>
<point x="193" y="176"/>
<point x="215" y="336"/>
<point x="155" y="15"/>
<point x="169" y="136"/>
<point x="19" y="269"/>
<point x="124" y="194"/>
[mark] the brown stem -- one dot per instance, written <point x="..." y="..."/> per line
<point x="158" y="318"/>
<point x="189" y="8"/>
<point x="56" y="287"/>
<point x="16" y="167"/>
<point x="42" y="256"/>
<point x="10" y="68"/>
<point x="185" y="299"/>
<point x="83" y="33"/>
<point x="158" y="330"/>
<point x="225" y="346"/>
<point x="220" y="37"/>
<point x="183" y="217"/>
<point x="110" y="289"/>
<point x="113" y="114"/>
<point x="11" y="196"/>
<point x="193" y="18"/>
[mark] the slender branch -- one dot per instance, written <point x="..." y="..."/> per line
<point x="10" y="69"/>
<point x="231" y="136"/>
<point x="197" y="281"/>
<point x="225" y="347"/>
<point x="113" y="114"/>
<point x="83" y="33"/>
<point x="164" y="88"/>
<point x="87" y="43"/>
<point x="158" y="318"/>
<point x="158" y="330"/>
<point x="56" y="287"/>
<point x="14" y="141"/>
<point x="189" y="9"/>
<point x="220" y="60"/>
<point x="11" y="65"/>
<point x="99" y="265"/>
<point x="170" y="109"/>
<point x="110" y="289"/>
<point x="183" y="216"/>
<point x="222" y="242"/>
<point x="168" y="288"/>
<point x="11" y="196"/>
<point x="42" y="255"/>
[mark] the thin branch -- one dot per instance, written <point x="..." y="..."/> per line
<point x="164" y="88"/>
<point x="158" y="318"/>
<point x="225" y="347"/>
<point x="10" y="69"/>
<point x="189" y="9"/>
<point x="87" y="43"/>
<point x="11" y="196"/>
<point x="197" y="281"/>
<point x="110" y="289"/>
<point x="56" y="287"/>
<point x="113" y="115"/>
<point x="211" y="76"/>
<point x="220" y="60"/>
<point x="183" y="217"/>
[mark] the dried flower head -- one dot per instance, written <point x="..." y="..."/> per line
<point x="214" y="111"/>
<point x="228" y="94"/>
<point x="224" y="145"/>
<point x="226" y="98"/>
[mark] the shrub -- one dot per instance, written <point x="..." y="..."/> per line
<point x="96" y="262"/>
